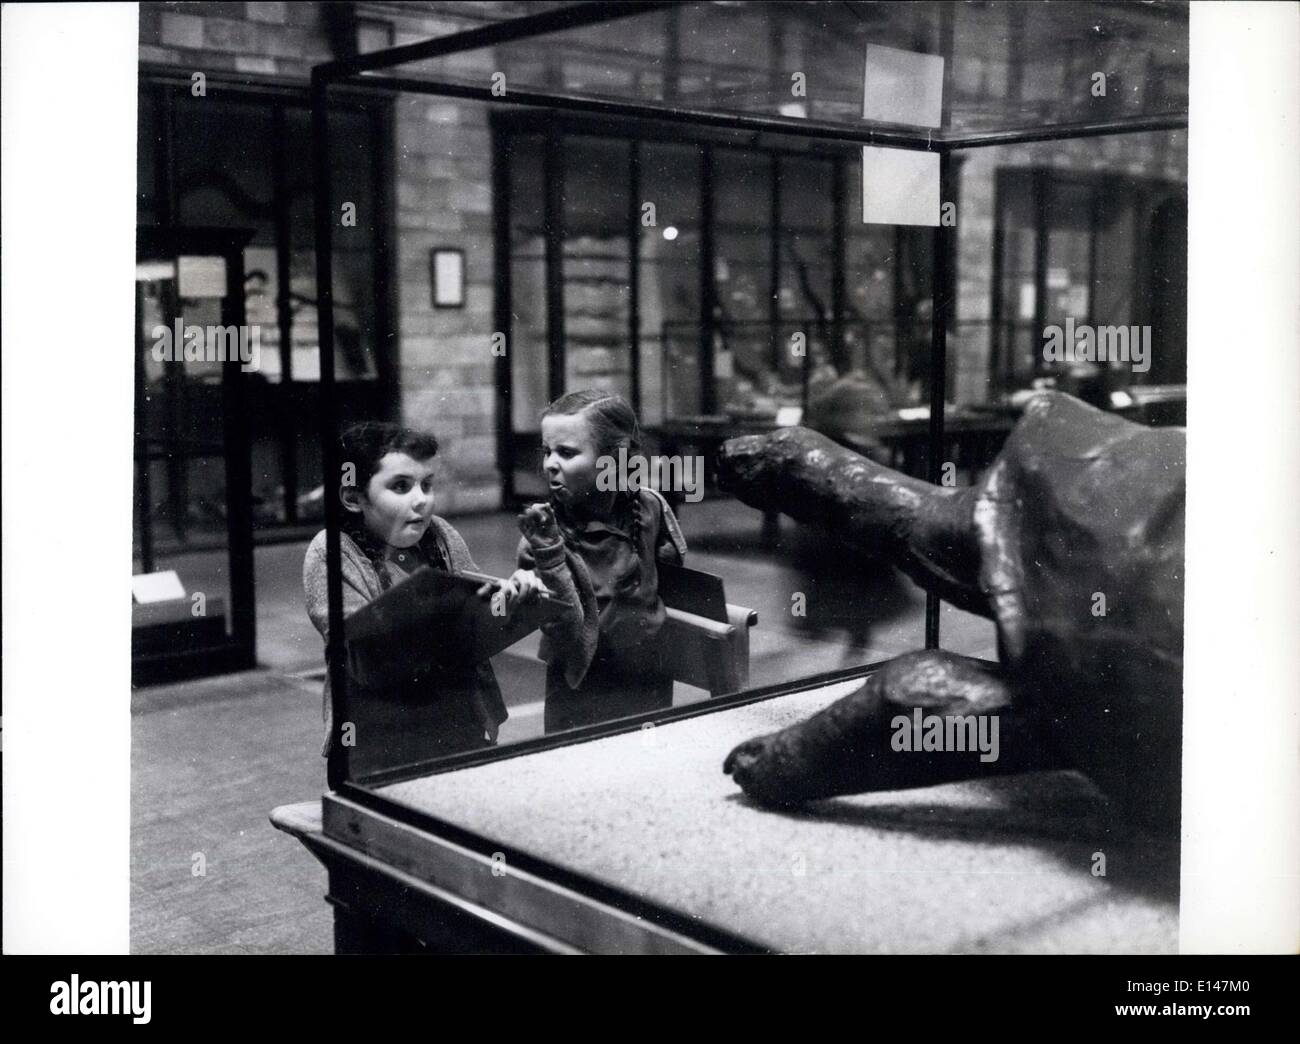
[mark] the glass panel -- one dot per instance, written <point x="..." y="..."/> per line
<point x="597" y="266"/>
<point x="1069" y="241"/>
<point x="357" y="268"/>
<point x="822" y="601"/>
<point x="808" y="602"/>
<point x="748" y="352"/>
<point x="353" y="187"/>
<point x="261" y="292"/>
<point x="1116" y="235"/>
<point x="276" y="427"/>
<point x="670" y="281"/>
<point x="1103" y="235"/>
<point x="870" y="335"/>
<point x="220" y="154"/>
<point x="180" y="452"/>
<point x="149" y="144"/>
<point x="352" y="167"/>
<point x="529" y="362"/>
<point x="304" y="339"/>
<point x="804" y="278"/>
<point x="226" y="155"/>
<point x="1009" y="66"/>
<point x="1165" y="235"/>
<point x="1096" y="275"/>
<point x="1012" y="358"/>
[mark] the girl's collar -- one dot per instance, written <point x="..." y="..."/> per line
<point x="619" y="518"/>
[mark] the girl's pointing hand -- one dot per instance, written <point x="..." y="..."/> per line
<point x="538" y="525"/>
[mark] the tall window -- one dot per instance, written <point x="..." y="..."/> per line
<point x="1103" y="250"/>
<point x="798" y="293"/>
<point x="597" y="264"/>
<point x="669" y="278"/>
<point x="241" y="160"/>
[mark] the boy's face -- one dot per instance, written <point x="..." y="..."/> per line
<point x="397" y="503"/>
<point x="568" y="457"/>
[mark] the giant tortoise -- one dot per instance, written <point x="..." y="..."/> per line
<point x="1071" y="542"/>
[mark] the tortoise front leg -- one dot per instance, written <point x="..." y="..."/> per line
<point x="853" y="746"/>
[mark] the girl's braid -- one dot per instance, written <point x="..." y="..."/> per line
<point x="636" y="532"/>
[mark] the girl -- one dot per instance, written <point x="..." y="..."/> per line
<point x="613" y="538"/>
<point x="410" y="708"/>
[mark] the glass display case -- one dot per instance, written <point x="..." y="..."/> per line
<point x="669" y="220"/>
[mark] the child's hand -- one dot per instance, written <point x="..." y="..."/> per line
<point x="527" y="585"/>
<point x="538" y="525"/>
<point x="523" y="587"/>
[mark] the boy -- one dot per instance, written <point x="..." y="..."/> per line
<point x="410" y="709"/>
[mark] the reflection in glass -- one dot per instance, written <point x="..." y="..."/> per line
<point x="236" y="161"/>
<point x="185" y="616"/>
<point x="1005" y="64"/>
<point x="789" y="256"/>
<point x="669" y="270"/>
<point x="529" y="363"/>
<point x="596" y="265"/>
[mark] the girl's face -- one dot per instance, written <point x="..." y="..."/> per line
<point x="569" y="458"/>
<point x="397" y="504"/>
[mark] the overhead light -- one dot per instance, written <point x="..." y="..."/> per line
<point x="670" y="232"/>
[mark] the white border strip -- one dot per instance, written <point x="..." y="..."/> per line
<point x="69" y="130"/>
<point x="1241" y="752"/>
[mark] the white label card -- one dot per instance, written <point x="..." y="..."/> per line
<point x="899" y="186"/>
<point x="902" y="87"/>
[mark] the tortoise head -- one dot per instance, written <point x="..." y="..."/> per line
<point x="755" y="467"/>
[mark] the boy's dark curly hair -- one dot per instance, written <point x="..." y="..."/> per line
<point x="363" y="445"/>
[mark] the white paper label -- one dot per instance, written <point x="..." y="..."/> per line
<point x="902" y="87"/>
<point x="899" y="187"/>
<point x="157" y="587"/>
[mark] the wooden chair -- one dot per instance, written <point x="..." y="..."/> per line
<point x="705" y="639"/>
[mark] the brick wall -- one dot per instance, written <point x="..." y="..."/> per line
<point x="443" y="171"/>
<point x="281" y="39"/>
